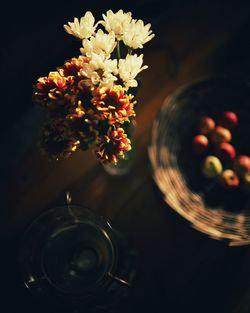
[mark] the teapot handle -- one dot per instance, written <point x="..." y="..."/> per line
<point x="119" y="280"/>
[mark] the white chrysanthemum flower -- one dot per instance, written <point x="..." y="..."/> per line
<point x="116" y="22"/>
<point x="83" y="28"/>
<point x="100" y="70"/>
<point x="129" y="68"/>
<point x="99" y="43"/>
<point x="136" y="34"/>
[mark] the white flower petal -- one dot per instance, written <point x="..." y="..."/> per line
<point x="136" y="34"/>
<point x="129" y="68"/>
<point x="100" y="70"/>
<point x="116" y="22"/>
<point x="100" y="43"/>
<point x="83" y="28"/>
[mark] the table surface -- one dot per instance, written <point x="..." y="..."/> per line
<point x="180" y="268"/>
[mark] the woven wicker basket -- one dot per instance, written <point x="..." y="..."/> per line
<point x="211" y="210"/>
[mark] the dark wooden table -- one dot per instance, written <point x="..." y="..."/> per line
<point x="180" y="269"/>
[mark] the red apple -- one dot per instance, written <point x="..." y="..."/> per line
<point x="212" y="167"/>
<point x="220" y="134"/>
<point x="230" y="179"/>
<point x="242" y="165"/>
<point x="200" y="144"/>
<point x="205" y="125"/>
<point x="226" y="152"/>
<point x="228" y="120"/>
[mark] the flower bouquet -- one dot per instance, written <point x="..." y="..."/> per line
<point x="91" y="98"/>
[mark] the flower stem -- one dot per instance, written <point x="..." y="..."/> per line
<point x="118" y="50"/>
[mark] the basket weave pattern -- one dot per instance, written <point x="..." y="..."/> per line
<point x="177" y="172"/>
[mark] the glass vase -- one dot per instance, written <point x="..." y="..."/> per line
<point x="124" y="165"/>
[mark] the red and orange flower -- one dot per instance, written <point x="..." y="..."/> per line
<point x="57" y="140"/>
<point x="73" y="67"/>
<point x="55" y="93"/>
<point x="113" y="145"/>
<point x="84" y="123"/>
<point x="114" y="104"/>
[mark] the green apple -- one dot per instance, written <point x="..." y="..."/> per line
<point x="212" y="167"/>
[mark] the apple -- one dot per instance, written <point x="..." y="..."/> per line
<point x="230" y="179"/>
<point x="226" y="152"/>
<point x="220" y="134"/>
<point x="242" y="165"/>
<point x="246" y="181"/>
<point x="228" y="120"/>
<point x="205" y="125"/>
<point x="212" y="167"/>
<point x="200" y="144"/>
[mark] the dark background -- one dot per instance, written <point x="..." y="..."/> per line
<point x="33" y="43"/>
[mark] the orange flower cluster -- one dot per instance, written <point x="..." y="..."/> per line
<point x="82" y="114"/>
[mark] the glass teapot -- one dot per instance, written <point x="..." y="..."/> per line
<point x="70" y="256"/>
